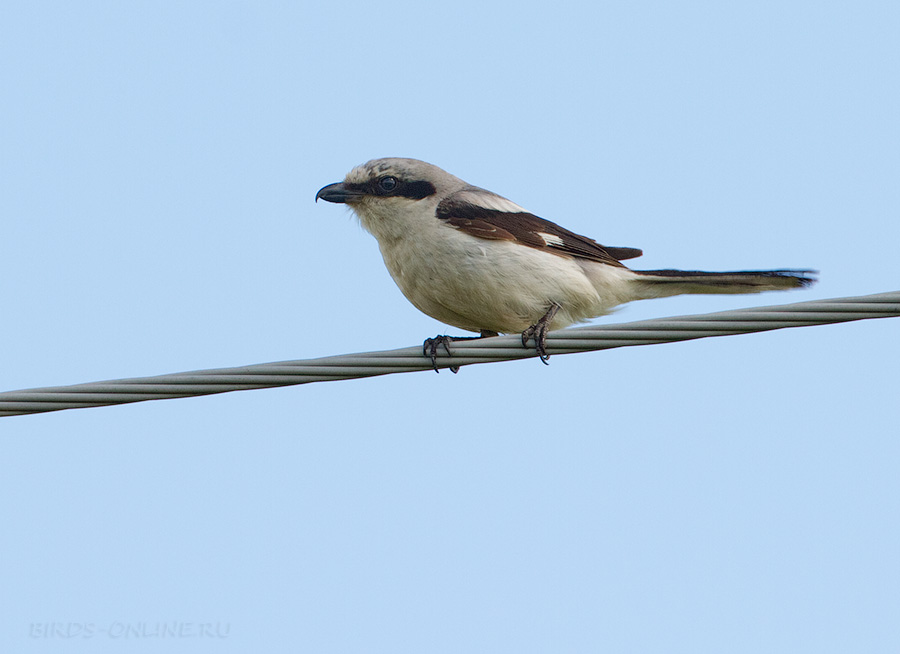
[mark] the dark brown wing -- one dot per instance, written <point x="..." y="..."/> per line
<point x="525" y="228"/>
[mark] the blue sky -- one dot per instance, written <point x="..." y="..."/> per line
<point x="159" y="166"/>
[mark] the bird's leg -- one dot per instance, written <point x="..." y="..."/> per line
<point x="539" y="332"/>
<point x="431" y="346"/>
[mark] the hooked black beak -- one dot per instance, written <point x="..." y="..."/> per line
<point x="339" y="193"/>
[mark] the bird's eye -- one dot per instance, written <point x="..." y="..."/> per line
<point x="388" y="184"/>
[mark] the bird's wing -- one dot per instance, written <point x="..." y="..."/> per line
<point x="483" y="214"/>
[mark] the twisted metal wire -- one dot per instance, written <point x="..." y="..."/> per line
<point x="411" y="359"/>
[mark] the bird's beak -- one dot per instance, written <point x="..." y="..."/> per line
<point x="339" y="193"/>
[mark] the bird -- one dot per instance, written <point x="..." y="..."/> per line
<point x="475" y="260"/>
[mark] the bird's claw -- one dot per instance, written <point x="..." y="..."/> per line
<point x="430" y="349"/>
<point x="538" y="331"/>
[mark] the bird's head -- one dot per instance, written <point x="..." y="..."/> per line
<point x="387" y="193"/>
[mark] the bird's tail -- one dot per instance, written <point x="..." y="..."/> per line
<point x="663" y="283"/>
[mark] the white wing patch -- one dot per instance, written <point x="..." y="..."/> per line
<point x="488" y="200"/>
<point x="550" y="239"/>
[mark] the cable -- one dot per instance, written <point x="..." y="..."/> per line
<point x="411" y="359"/>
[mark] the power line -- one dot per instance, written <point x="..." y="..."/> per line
<point x="411" y="359"/>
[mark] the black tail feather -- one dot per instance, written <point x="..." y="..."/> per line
<point x="740" y="281"/>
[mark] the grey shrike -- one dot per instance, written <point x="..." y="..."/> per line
<point x="472" y="259"/>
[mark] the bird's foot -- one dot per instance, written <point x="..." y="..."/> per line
<point x="431" y="346"/>
<point x="539" y="330"/>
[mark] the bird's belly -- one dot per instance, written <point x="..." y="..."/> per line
<point x="497" y="285"/>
